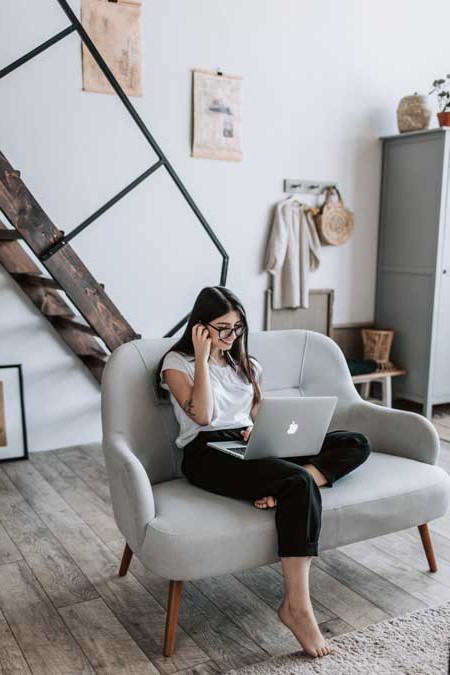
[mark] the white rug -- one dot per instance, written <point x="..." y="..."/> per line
<point x="414" y="644"/>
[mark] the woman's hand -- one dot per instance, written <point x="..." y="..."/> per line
<point x="246" y="433"/>
<point x="201" y="342"/>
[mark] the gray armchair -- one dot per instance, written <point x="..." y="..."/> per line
<point x="182" y="532"/>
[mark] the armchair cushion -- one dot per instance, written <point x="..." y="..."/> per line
<point x="196" y="533"/>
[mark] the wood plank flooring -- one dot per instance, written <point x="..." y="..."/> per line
<point x="63" y="609"/>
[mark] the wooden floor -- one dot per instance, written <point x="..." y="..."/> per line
<point x="63" y="608"/>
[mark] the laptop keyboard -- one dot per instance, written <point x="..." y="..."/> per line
<point x="238" y="451"/>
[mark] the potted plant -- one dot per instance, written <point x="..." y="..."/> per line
<point x="443" y="88"/>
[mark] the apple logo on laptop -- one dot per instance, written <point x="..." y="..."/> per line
<point x="292" y="427"/>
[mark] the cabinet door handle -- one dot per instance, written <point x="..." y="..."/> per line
<point x="444" y="271"/>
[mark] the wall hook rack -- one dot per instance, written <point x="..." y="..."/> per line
<point x="292" y="185"/>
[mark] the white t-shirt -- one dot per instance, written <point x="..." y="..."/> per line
<point x="232" y="397"/>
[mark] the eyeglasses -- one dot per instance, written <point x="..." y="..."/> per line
<point x="225" y="333"/>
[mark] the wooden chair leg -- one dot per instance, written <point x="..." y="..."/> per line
<point x="173" y="605"/>
<point x="126" y="559"/>
<point x="428" y="546"/>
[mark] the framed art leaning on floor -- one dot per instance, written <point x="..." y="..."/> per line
<point x="13" y="432"/>
<point x="318" y="316"/>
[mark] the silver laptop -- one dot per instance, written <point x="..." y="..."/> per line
<point x="285" y="427"/>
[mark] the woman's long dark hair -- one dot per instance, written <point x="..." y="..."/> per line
<point x="212" y="302"/>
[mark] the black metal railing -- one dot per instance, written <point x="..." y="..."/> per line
<point x="75" y="25"/>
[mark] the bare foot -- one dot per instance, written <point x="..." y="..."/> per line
<point x="265" y="502"/>
<point x="303" y="624"/>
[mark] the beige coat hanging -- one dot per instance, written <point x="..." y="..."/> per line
<point x="293" y="251"/>
<point x="115" y="29"/>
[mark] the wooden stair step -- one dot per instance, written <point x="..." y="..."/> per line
<point x="39" y="232"/>
<point x="14" y="257"/>
<point x="95" y="365"/>
<point x="85" y="346"/>
<point x="92" y="358"/>
<point x="35" y="280"/>
<point x="52" y="304"/>
<point x="9" y="235"/>
<point x="48" y="300"/>
<point x="52" y="311"/>
<point x="74" y="325"/>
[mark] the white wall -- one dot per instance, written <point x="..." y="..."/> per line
<point x="322" y="81"/>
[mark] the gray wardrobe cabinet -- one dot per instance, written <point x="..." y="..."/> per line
<point x="413" y="266"/>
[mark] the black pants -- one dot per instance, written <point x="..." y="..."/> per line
<point x="298" y="514"/>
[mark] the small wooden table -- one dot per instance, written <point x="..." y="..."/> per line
<point x="385" y="379"/>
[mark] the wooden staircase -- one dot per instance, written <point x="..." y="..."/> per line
<point x="69" y="277"/>
<point x="27" y="221"/>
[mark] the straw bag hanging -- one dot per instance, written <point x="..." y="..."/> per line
<point x="333" y="221"/>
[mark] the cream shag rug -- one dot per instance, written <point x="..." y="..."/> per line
<point x="414" y="644"/>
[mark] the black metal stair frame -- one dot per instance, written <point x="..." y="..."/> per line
<point x="75" y="25"/>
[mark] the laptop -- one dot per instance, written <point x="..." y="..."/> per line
<point x="285" y="427"/>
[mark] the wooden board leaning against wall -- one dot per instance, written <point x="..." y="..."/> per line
<point x="3" y="439"/>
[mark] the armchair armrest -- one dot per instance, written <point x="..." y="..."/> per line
<point x="131" y="491"/>
<point x="396" y="432"/>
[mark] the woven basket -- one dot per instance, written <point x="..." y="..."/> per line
<point x="334" y="222"/>
<point x="377" y="346"/>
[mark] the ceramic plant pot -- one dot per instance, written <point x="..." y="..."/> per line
<point x="444" y="118"/>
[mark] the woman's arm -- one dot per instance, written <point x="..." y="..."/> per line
<point x="196" y="400"/>
<point x="254" y="411"/>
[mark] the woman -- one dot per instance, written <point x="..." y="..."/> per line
<point x="215" y="389"/>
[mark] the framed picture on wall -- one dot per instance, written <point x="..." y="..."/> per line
<point x="217" y="116"/>
<point x="13" y="431"/>
<point x="115" y="29"/>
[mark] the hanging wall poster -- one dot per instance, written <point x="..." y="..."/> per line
<point x="13" y="433"/>
<point x="217" y="127"/>
<point x="115" y="29"/>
